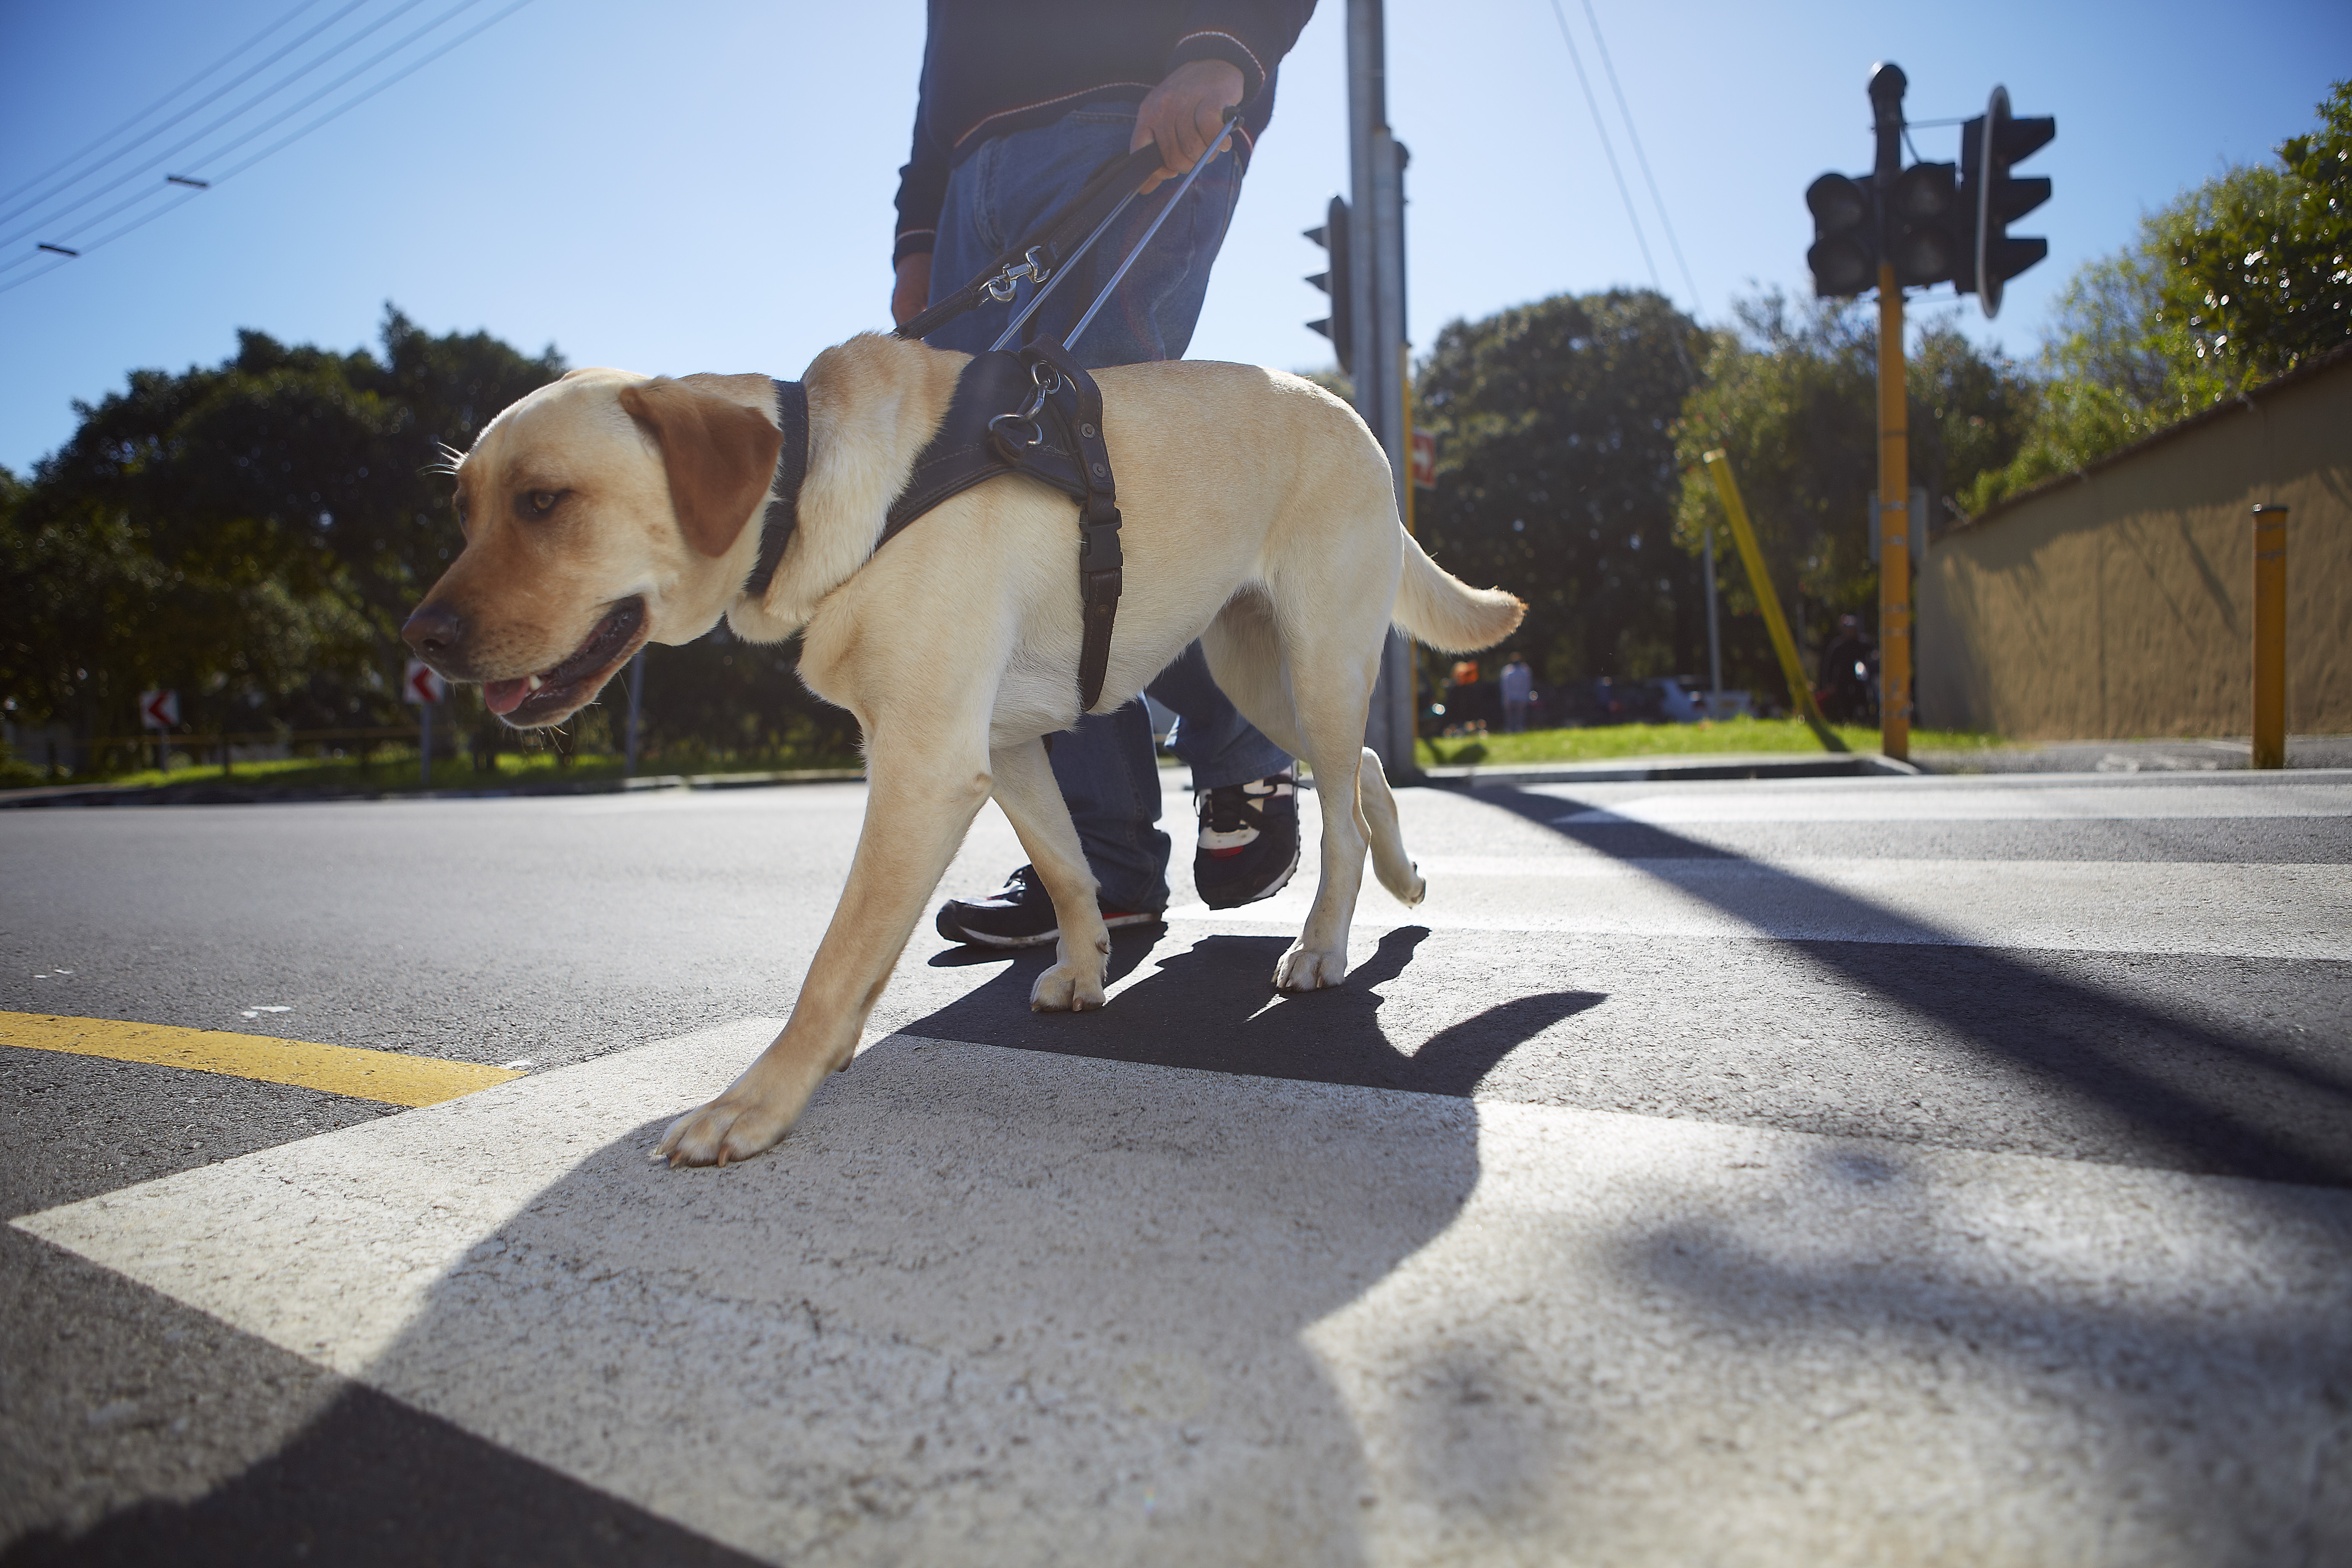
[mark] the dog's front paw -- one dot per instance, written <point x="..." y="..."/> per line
<point x="729" y="1128"/>
<point x="1304" y="968"/>
<point x="1068" y="988"/>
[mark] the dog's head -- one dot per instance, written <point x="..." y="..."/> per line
<point x="602" y="512"/>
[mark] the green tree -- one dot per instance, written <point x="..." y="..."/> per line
<point x="2241" y="279"/>
<point x="251" y="533"/>
<point x="1555" y="476"/>
<point x="1791" y="395"/>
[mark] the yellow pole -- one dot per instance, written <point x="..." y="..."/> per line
<point x="2270" y="637"/>
<point x="1801" y="695"/>
<point x="1405" y="379"/>
<point x="1894" y="527"/>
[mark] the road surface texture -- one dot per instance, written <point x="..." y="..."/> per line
<point x="1837" y="1171"/>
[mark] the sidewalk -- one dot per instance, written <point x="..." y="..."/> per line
<point x="2053" y="757"/>
<point x="218" y="792"/>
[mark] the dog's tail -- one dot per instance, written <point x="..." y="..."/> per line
<point x="1444" y="613"/>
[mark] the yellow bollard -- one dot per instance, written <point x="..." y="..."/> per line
<point x="2270" y="637"/>
<point x="1801" y="695"/>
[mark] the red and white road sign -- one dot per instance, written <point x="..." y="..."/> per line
<point x="420" y="685"/>
<point x="158" y="710"/>
<point x="1424" y="459"/>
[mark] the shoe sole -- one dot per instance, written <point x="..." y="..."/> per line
<point x="984" y="939"/>
<point x="1269" y="890"/>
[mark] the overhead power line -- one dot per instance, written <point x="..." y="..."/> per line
<point x="1643" y="158"/>
<point x="77" y="157"/>
<point x="187" y="190"/>
<point x="49" y="220"/>
<point x="1601" y="126"/>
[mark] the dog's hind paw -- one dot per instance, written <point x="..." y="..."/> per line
<point x="1068" y="988"/>
<point x="1304" y="968"/>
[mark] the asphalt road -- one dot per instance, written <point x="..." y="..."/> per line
<point x="2123" y="1005"/>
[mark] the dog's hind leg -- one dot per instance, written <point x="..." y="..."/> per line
<point x="1333" y="703"/>
<point x="1032" y="801"/>
<point x="1394" y="867"/>
<point x="924" y="789"/>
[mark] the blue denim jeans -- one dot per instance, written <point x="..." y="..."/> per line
<point x="1106" y="765"/>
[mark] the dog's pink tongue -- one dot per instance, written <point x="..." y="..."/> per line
<point x="505" y="696"/>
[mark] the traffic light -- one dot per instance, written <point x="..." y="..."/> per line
<point x="1844" y="253"/>
<point x="1925" y="235"/>
<point x="1993" y="198"/>
<point x="1339" y="325"/>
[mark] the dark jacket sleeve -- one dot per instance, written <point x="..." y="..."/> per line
<point x="923" y="180"/>
<point x="1253" y="35"/>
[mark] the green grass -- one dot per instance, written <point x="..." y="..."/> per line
<point x="395" y="770"/>
<point x="1613" y="741"/>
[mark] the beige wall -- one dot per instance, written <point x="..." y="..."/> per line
<point x="2120" y="601"/>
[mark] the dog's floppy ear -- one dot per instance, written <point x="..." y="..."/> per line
<point x="720" y="457"/>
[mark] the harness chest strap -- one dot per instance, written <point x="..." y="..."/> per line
<point x="1064" y="447"/>
<point x="1037" y="413"/>
<point x="783" y="515"/>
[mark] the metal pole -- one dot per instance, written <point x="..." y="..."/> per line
<point x="2270" y="637"/>
<point x="1376" y="243"/>
<point x="1886" y="85"/>
<point x="636" y="701"/>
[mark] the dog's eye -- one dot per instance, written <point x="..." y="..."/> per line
<point x="542" y="500"/>
<point x="532" y="504"/>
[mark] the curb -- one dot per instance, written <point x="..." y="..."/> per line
<point x="1662" y="770"/>
<point x="217" y="794"/>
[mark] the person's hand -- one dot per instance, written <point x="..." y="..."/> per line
<point x="913" y="289"/>
<point x="1185" y="113"/>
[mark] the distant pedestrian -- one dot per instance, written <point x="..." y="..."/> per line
<point x="1519" y="691"/>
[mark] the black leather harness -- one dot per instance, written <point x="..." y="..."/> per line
<point x="1035" y="412"/>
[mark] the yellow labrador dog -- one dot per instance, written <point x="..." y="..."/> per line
<point x="607" y="509"/>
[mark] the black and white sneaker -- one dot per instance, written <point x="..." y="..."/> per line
<point x="1019" y="914"/>
<point x="1249" y="841"/>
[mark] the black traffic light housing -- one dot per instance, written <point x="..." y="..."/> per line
<point x="1994" y="198"/>
<point x="1845" y="253"/>
<point x="1925" y="235"/>
<point x="1339" y="325"/>
<point x="1932" y="223"/>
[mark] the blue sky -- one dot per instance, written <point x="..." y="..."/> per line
<point x="707" y="185"/>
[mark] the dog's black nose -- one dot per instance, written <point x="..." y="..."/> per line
<point x="433" y="631"/>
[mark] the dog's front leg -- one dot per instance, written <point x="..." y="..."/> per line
<point x="1033" y="803"/>
<point x="919" y="805"/>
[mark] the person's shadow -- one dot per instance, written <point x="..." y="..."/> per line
<point x="982" y="1305"/>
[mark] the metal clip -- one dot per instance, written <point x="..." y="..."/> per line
<point x="996" y="428"/>
<point x="1002" y="287"/>
<point x="1047" y="382"/>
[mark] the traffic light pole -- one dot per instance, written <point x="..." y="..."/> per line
<point x="1376" y="282"/>
<point x="1886" y="85"/>
<point x="1893" y="541"/>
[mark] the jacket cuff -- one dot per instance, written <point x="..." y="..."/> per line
<point x="1210" y="44"/>
<point x="914" y="242"/>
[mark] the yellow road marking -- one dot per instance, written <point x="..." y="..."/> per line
<point x="388" y="1076"/>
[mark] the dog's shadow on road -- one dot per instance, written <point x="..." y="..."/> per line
<point x="1211" y="1005"/>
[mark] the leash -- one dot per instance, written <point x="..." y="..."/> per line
<point x="1036" y="411"/>
<point x="1047" y="251"/>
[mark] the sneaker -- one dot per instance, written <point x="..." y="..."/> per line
<point x="1249" y="841"/>
<point x="1019" y="914"/>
